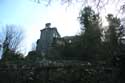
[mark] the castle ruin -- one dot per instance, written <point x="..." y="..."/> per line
<point x="46" y="38"/>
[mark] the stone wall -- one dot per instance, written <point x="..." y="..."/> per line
<point x="56" y="72"/>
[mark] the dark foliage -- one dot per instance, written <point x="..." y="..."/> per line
<point x="91" y="57"/>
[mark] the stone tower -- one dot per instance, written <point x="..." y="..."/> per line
<point x="46" y="38"/>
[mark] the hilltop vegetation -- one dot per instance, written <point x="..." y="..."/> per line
<point x="101" y="48"/>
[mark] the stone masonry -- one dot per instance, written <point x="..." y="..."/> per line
<point x="46" y="38"/>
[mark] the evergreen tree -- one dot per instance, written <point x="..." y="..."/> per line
<point x="112" y="36"/>
<point x="91" y="33"/>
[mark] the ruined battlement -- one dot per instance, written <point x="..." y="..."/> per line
<point x="46" y="38"/>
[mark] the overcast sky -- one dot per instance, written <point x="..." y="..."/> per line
<point x="32" y="17"/>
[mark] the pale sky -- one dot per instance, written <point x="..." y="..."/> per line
<point x="32" y="17"/>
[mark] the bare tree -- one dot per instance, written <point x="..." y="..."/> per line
<point x="33" y="47"/>
<point x="11" y="37"/>
<point x="99" y="4"/>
